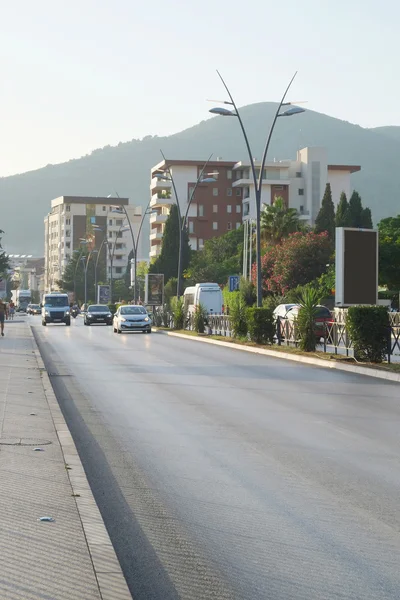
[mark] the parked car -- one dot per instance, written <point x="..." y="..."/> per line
<point x="33" y="309"/>
<point x="282" y="309"/>
<point x="98" y="313"/>
<point x="132" y="318"/>
<point x="322" y="320"/>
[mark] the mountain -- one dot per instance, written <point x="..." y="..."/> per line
<point x="392" y="131"/>
<point x="125" y="168"/>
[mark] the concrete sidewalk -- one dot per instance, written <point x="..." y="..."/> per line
<point x="72" y="557"/>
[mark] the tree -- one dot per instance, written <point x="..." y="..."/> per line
<point x="342" y="212"/>
<point x="278" y="221"/>
<point x="298" y="260"/>
<point x="325" y="220"/>
<point x="366" y="218"/>
<point x="355" y="210"/>
<point x="73" y="278"/>
<point x="4" y="262"/>
<point x="167" y="261"/>
<point x="221" y="256"/>
<point x="389" y="252"/>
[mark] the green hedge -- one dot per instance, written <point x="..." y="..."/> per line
<point x="113" y="308"/>
<point x="393" y="296"/>
<point x="369" y="331"/>
<point x="260" y="323"/>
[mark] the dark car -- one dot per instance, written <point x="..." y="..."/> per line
<point x="34" y="309"/>
<point x="323" y="319"/>
<point x="98" y="313"/>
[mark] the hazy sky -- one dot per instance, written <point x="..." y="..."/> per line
<point x="82" y="74"/>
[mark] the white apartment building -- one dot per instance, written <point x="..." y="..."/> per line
<point x="73" y="219"/>
<point x="301" y="182"/>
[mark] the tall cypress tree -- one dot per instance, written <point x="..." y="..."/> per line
<point x="355" y="210"/>
<point x="167" y="261"/>
<point x="325" y="220"/>
<point x="342" y="211"/>
<point x="366" y="218"/>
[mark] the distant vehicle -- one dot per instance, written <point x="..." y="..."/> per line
<point x="33" y="309"/>
<point x="323" y="319"/>
<point x="55" y="309"/>
<point x="282" y="309"/>
<point x="208" y="295"/>
<point x="23" y="298"/>
<point x="98" y="313"/>
<point x="131" y="318"/>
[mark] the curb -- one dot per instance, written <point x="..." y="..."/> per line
<point x="110" y="578"/>
<point x="318" y="362"/>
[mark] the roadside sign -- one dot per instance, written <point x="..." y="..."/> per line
<point x="233" y="283"/>
<point x="103" y="294"/>
<point x="154" y="291"/>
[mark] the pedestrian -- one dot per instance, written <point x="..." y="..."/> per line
<point x="3" y="314"/>
<point x="11" y="310"/>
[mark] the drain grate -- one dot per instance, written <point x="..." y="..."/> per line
<point x="23" y="442"/>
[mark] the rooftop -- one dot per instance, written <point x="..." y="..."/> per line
<point x="113" y="200"/>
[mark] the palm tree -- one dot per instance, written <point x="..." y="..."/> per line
<point x="278" y="221"/>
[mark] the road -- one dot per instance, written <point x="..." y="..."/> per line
<point x="226" y="475"/>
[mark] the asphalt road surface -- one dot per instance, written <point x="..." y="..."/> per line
<point x="226" y="475"/>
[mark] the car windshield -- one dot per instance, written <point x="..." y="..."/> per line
<point x="322" y="311"/>
<point x="55" y="301"/>
<point x="133" y="310"/>
<point x="35" y="305"/>
<point x="98" y="308"/>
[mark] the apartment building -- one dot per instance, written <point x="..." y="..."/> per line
<point x="73" y="219"/>
<point x="215" y="209"/>
<point x="301" y="182"/>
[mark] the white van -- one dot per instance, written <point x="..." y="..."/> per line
<point x="207" y="294"/>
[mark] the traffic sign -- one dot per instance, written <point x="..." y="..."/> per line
<point x="233" y="283"/>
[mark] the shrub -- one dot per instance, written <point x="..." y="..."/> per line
<point x="200" y="318"/>
<point x="308" y="300"/>
<point x="113" y="308"/>
<point x="238" y="316"/>
<point x="260" y="322"/>
<point x="178" y="313"/>
<point x="247" y="291"/>
<point x="273" y="300"/>
<point x="369" y="330"/>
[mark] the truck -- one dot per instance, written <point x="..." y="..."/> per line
<point x="55" y="309"/>
<point x="23" y="298"/>
<point x="208" y="295"/>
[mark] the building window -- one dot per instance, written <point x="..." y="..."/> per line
<point x="229" y="174"/>
<point x="215" y="225"/>
<point x="238" y="208"/>
<point x="215" y="208"/>
<point x="298" y="173"/>
<point x="68" y="233"/>
<point x="238" y="225"/>
<point x="104" y="208"/>
<point x="68" y="244"/>
<point x="118" y="222"/>
<point x="110" y="234"/>
<point x="190" y="193"/>
<point x="229" y="226"/>
<point x="110" y="222"/>
<point x="246" y="209"/>
<point x="119" y="234"/>
<point x="118" y="257"/>
<point x="201" y="210"/>
<point x="301" y="192"/>
<point x="201" y="243"/>
<point x="68" y="221"/>
<point x="118" y="246"/>
<point x="68" y="208"/>
<point x="215" y="191"/>
<point x="229" y="192"/>
<point x="238" y="191"/>
<point x="191" y="227"/>
<point x="301" y="208"/>
<point x="229" y="208"/>
<point x="118" y="270"/>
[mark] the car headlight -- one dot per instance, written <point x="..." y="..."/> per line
<point x="46" y="312"/>
<point x="146" y="319"/>
<point x="67" y="313"/>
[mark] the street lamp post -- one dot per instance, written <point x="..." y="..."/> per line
<point x="182" y="221"/>
<point x="86" y="265"/>
<point x="257" y="182"/>
<point x="82" y="242"/>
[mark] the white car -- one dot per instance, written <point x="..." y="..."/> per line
<point x="131" y="318"/>
<point x="282" y="310"/>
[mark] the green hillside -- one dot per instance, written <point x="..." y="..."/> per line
<point x="125" y="168"/>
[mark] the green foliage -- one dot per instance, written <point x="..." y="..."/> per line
<point x="121" y="290"/>
<point x="308" y="301"/>
<point x="278" y="221"/>
<point x="178" y="313"/>
<point x="342" y="212"/>
<point x="273" y="300"/>
<point x="261" y="326"/>
<point x="200" y="318"/>
<point x="325" y="220"/>
<point x="238" y="316"/>
<point x="355" y="212"/>
<point x="389" y="252"/>
<point x="74" y="275"/>
<point x="366" y="219"/>
<point x="113" y="308"/>
<point x="170" y="290"/>
<point x="393" y="296"/>
<point x="4" y="262"/>
<point x="247" y="291"/>
<point x="369" y="330"/>
<point x="167" y="261"/>
<point x="220" y="257"/>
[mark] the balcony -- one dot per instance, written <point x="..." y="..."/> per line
<point x="155" y="251"/>
<point x="158" y="185"/>
<point x="159" y="200"/>
<point x="158" y="218"/>
<point x="156" y="236"/>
